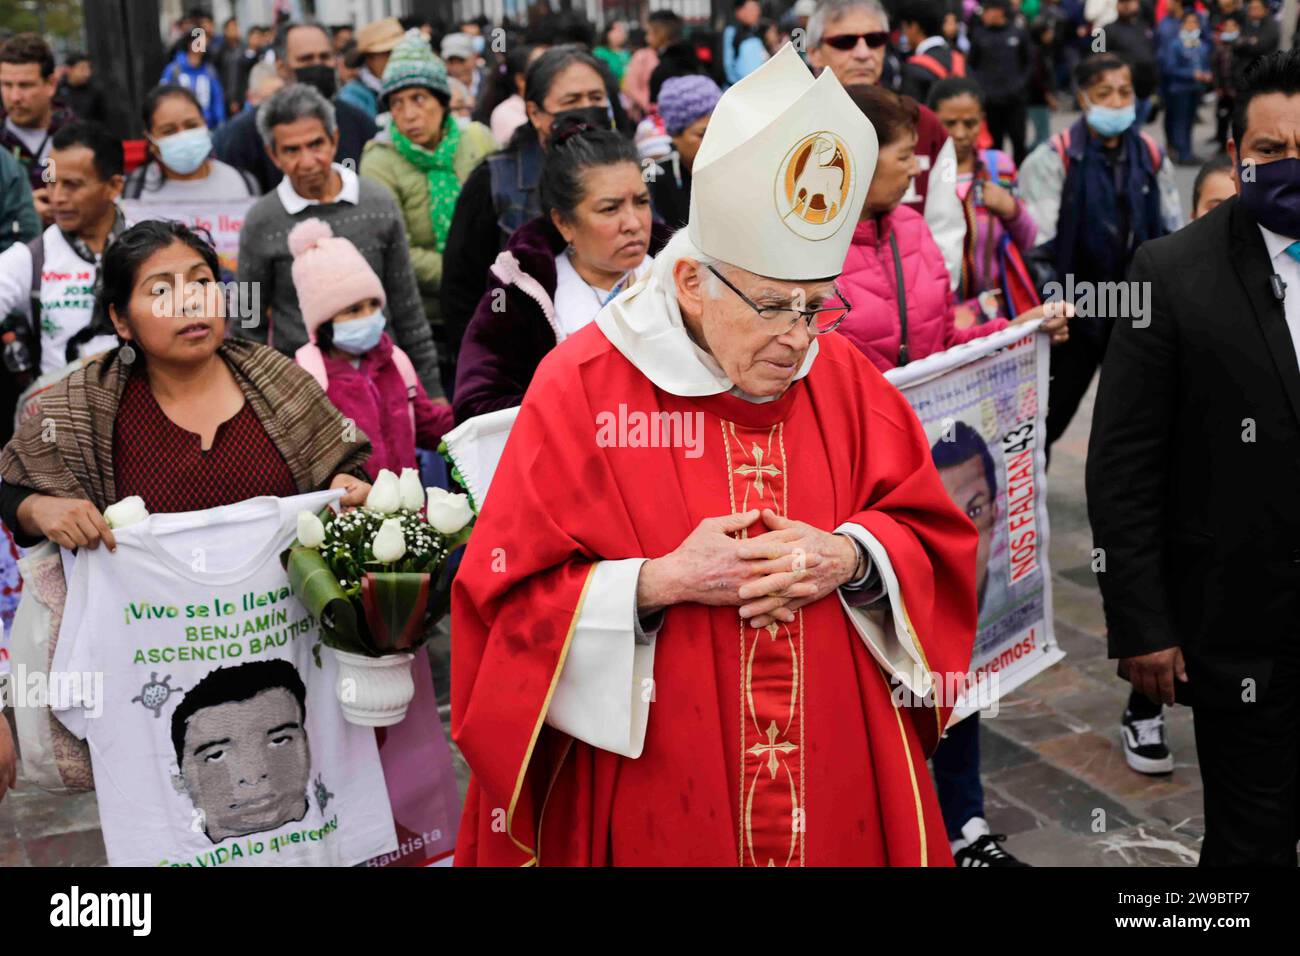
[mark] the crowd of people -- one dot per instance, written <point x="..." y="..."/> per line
<point x="445" y="221"/>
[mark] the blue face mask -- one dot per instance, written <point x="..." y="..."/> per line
<point x="185" y="152"/>
<point x="1109" y="121"/>
<point x="359" y="336"/>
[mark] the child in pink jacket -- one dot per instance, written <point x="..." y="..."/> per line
<point x="367" y="377"/>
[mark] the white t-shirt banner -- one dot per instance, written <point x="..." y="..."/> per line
<point x="216" y="740"/>
<point x="222" y="219"/>
<point x="983" y="408"/>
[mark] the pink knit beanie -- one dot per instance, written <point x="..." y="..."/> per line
<point x="329" y="274"/>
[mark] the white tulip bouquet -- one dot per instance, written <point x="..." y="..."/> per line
<point x="374" y="576"/>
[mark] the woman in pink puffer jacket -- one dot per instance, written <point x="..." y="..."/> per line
<point x="891" y="239"/>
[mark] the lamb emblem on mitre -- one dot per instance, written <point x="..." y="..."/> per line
<point x="814" y="181"/>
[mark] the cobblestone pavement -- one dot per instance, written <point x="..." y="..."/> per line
<point x="1054" y="771"/>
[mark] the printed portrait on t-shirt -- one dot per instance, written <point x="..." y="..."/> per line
<point x="241" y="744"/>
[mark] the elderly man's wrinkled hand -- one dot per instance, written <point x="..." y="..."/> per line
<point x="800" y="564"/>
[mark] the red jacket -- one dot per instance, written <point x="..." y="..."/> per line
<point x="374" y="396"/>
<point x="930" y="137"/>
<point x="869" y="283"/>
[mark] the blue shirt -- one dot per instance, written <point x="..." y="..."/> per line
<point x="739" y="63"/>
<point x="203" y="82"/>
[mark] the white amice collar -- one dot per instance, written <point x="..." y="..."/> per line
<point x="645" y="324"/>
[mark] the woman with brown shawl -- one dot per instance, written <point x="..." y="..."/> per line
<point x="177" y="414"/>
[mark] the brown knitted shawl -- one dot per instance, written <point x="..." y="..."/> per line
<point x="66" y="448"/>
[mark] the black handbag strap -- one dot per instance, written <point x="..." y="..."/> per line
<point x="902" y="301"/>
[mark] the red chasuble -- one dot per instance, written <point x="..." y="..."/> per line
<point x="773" y="747"/>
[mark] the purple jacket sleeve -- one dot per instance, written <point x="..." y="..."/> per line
<point x="500" y="352"/>
<point x="432" y="420"/>
<point x="1021" y="227"/>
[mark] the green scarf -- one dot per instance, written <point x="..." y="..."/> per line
<point x="438" y="166"/>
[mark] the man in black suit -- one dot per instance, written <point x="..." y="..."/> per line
<point x="1194" y="480"/>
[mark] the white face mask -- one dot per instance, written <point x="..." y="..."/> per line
<point x="186" y="151"/>
<point x="463" y="121"/>
<point x="359" y="336"/>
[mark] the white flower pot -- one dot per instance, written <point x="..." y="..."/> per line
<point x="374" y="691"/>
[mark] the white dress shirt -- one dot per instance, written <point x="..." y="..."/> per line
<point x="1289" y="271"/>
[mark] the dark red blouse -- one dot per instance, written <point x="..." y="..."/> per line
<point x="164" y="464"/>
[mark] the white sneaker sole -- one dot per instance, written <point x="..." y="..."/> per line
<point x="1145" y="764"/>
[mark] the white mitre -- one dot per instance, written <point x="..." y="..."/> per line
<point x="777" y="188"/>
<point x="782" y="173"/>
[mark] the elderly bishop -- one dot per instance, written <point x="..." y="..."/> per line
<point x="718" y="633"/>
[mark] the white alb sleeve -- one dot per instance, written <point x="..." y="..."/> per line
<point x="604" y="692"/>
<point x="885" y="626"/>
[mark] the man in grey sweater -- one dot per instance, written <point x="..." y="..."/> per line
<point x="297" y="125"/>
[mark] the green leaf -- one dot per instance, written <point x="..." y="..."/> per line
<point x="315" y="585"/>
<point x="394" y="603"/>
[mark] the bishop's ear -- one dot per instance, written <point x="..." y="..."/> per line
<point x="692" y="287"/>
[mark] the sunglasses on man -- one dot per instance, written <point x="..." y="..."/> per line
<point x="849" y="41"/>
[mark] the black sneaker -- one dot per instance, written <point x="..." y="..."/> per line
<point x="982" y="848"/>
<point x="1144" y="743"/>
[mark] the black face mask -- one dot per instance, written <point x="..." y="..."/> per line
<point x="597" y="117"/>
<point x="1271" y="193"/>
<point x="320" y="76"/>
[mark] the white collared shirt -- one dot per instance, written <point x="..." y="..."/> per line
<point x="1289" y="270"/>
<point x="577" y="301"/>
<point x="294" y="204"/>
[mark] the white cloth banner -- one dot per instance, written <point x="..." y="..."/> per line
<point x="476" y="446"/>
<point x="983" y="406"/>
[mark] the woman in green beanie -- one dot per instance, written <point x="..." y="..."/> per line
<point x="423" y="157"/>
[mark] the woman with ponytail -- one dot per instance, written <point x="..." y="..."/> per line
<point x="593" y="240"/>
